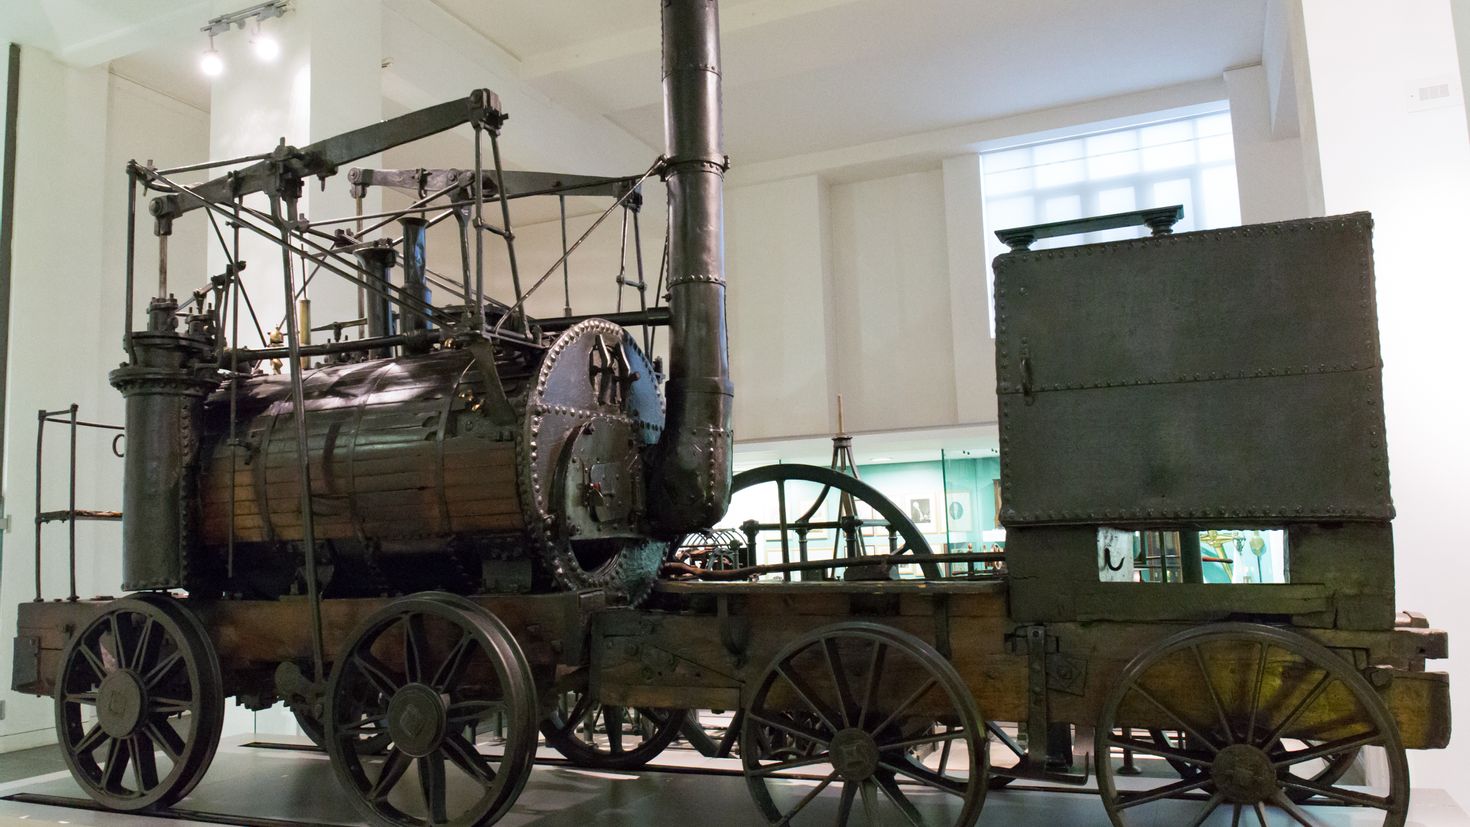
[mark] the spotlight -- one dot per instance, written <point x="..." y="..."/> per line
<point x="210" y="63"/>
<point x="266" y="48"/>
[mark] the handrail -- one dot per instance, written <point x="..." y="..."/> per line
<point x="1159" y="219"/>
<point x="71" y="515"/>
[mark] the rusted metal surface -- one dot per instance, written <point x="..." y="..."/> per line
<point x="1191" y="376"/>
<point x="399" y="454"/>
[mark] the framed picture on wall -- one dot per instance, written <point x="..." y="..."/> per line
<point x="957" y="511"/>
<point x="921" y="511"/>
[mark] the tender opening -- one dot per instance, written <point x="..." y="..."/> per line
<point x="1214" y="555"/>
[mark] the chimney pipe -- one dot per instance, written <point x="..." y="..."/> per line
<point x="690" y="483"/>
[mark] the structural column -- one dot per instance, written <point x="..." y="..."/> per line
<point x="326" y="80"/>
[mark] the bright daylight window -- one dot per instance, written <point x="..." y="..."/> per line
<point x="1189" y="161"/>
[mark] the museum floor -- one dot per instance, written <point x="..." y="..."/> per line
<point x="285" y="783"/>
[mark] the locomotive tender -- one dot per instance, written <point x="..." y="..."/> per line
<point x="428" y="542"/>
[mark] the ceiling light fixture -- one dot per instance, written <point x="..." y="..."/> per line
<point x="210" y="63"/>
<point x="266" y="48"/>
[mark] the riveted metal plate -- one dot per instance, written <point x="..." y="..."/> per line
<point x="1228" y="375"/>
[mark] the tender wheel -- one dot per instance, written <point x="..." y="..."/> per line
<point x="146" y="669"/>
<point x="609" y="737"/>
<point x="421" y="677"/>
<point x="1261" y="709"/>
<point x="1012" y="754"/>
<point x="878" y="713"/>
<point x="1327" y="769"/>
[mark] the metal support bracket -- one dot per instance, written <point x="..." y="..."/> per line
<point x="496" y="405"/>
<point x="1047" y="670"/>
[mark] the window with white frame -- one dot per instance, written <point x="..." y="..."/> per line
<point x="1186" y="160"/>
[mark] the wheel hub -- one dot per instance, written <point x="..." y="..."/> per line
<point x="120" y="703"/>
<point x="854" y="754"/>
<point x="417" y="719"/>
<point x="1243" y="774"/>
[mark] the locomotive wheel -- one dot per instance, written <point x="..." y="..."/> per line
<point x="147" y="670"/>
<point x="873" y="695"/>
<point x="609" y="737"/>
<point x="798" y="512"/>
<point x="315" y="731"/>
<point x="435" y="670"/>
<point x="1235" y="689"/>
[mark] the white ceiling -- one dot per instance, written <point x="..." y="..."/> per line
<point x="172" y="69"/>
<point x="809" y="75"/>
<point x="805" y="76"/>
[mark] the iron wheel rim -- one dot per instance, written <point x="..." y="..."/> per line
<point x="571" y="729"/>
<point x="1244" y="725"/>
<point x="436" y="742"/>
<point x="145" y="664"/>
<point x="858" y="710"/>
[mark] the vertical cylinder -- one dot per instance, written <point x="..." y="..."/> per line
<point x="378" y="263"/>
<point x="415" y="238"/>
<point x="415" y="232"/>
<point x="691" y="483"/>
<point x="303" y="324"/>
<point x="164" y="386"/>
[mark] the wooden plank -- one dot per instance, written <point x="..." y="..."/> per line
<point x="1198" y="602"/>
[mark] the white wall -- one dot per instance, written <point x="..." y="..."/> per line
<point x="890" y="302"/>
<point x="1412" y="170"/>
<point x="843" y="289"/>
<point x="76" y="130"/>
<point x="780" y="310"/>
<point x="862" y="272"/>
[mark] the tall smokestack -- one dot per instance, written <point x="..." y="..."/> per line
<point x="691" y="476"/>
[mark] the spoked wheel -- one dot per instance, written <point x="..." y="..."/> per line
<point x="1325" y="769"/>
<point x="313" y="728"/>
<point x="147" y="671"/>
<point x="1011" y="754"/>
<point x="422" y="676"/>
<point x="1261" y="708"/>
<point x="713" y="733"/>
<point x="609" y="737"/>
<point x="881" y="716"/>
<point x="818" y="513"/>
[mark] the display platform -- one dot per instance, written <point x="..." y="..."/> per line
<point x="287" y="782"/>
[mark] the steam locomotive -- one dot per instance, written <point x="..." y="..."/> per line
<point x="441" y="542"/>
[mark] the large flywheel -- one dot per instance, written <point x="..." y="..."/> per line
<point x="139" y="703"/>
<point x="806" y="514"/>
